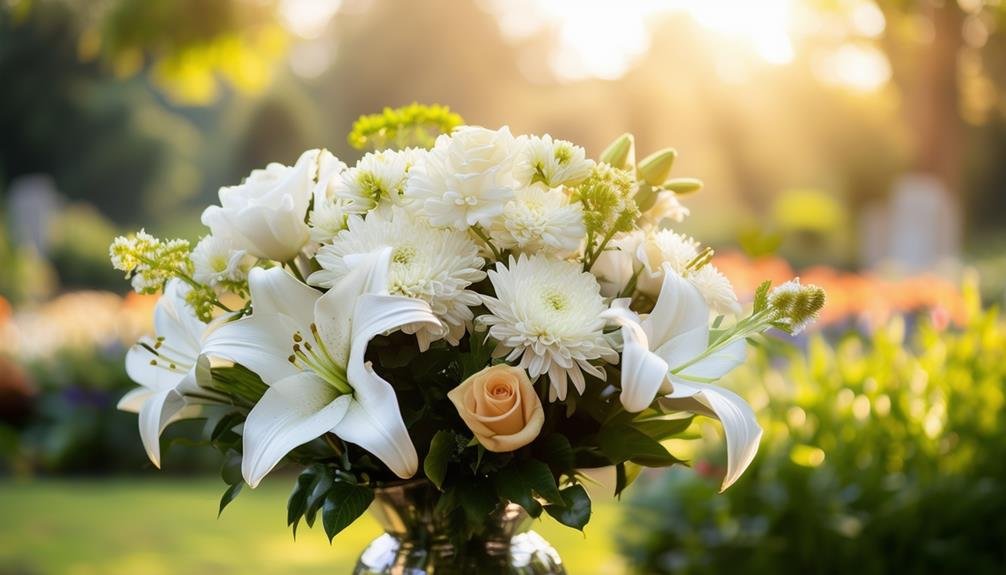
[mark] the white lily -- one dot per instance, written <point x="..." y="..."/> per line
<point x="667" y="354"/>
<point x="165" y="368"/>
<point x="309" y="349"/>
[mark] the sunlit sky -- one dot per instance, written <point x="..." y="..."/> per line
<point x="604" y="39"/>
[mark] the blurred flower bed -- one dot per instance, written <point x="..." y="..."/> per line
<point x="863" y="300"/>
<point x="61" y="375"/>
<point x="883" y="453"/>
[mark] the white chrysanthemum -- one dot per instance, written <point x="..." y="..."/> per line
<point x="659" y="248"/>
<point x="217" y="261"/>
<point x="680" y="252"/>
<point x="715" y="289"/>
<point x="328" y="219"/>
<point x="539" y="219"/>
<point x="466" y="179"/>
<point x="666" y="207"/>
<point x="547" y="313"/>
<point x="433" y="265"/>
<point x="554" y="162"/>
<point x="378" y="177"/>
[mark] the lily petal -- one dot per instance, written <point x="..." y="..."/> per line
<point x="261" y="342"/>
<point x="739" y="424"/>
<point x="161" y="409"/>
<point x="713" y="366"/>
<point x="152" y="377"/>
<point x="643" y="372"/>
<point x="276" y="291"/>
<point x="374" y="422"/>
<point x="678" y="326"/>
<point x="134" y="399"/>
<point x="175" y="321"/>
<point x="292" y="412"/>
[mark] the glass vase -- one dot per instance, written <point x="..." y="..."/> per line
<point x="415" y="543"/>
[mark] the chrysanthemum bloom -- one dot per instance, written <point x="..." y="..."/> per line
<point x="683" y="255"/>
<point x="540" y="220"/>
<point x="553" y="162"/>
<point x="430" y="264"/>
<point x="218" y="262"/>
<point x="547" y="314"/>
<point x="378" y="177"/>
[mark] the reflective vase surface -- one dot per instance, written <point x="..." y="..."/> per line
<point x="414" y="543"/>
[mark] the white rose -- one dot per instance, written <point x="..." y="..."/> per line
<point x="265" y="214"/>
<point x="466" y="179"/>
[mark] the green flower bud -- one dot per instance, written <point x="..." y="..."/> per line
<point x="683" y="185"/>
<point x="655" y="168"/>
<point x="621" y="153"/>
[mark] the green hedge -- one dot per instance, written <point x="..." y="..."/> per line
<point x="883" y="453"/>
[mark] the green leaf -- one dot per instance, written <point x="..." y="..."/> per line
<point x="661" y="428"/>
<point x="297" y="504"/>
<point x="231" y="470"/>
<point x="230" y="495"/>
<point x="555" y="450"/>
<point x="442" y="449"/>
<point x="316" y="498"/>
<point x="576" y="512"/>
<point x="521" y="481"/>
<point x="623" y="442"/>
<point x="625" y="474"/>
<point x="761" y="296"/>
<point x="225" y="424"/>
<point x="344" y="503"/>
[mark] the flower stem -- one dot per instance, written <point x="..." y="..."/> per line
<point x="292" y="264"/>
<point x="478" y="231"/>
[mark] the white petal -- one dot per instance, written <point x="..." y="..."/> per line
<point x="134" y="399"/>
<point x="175" y="321"/>
<point x="715" y="365"/>
<point x="153" y="377"/>
<point x="377" y="314"/>
<point x="678" y="326"/>
<point x="374" y="422"/>
<point x="739" y="424"/>
<point x="261" y="342"/>
<point x="335" y="311"/>
<point x="643" y="372"/>
<point x="160" y="410"/>
<point x="292" y="412"/>
<point x="276" y="291"/>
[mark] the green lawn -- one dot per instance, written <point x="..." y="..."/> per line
<point x="169" y="526"/>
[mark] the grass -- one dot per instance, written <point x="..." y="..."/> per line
<point x="169" y="526"/>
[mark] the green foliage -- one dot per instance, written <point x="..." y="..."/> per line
<point x="415" y="125"/>
<point x="882" y="454"/>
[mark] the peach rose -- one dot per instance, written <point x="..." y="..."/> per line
<point x="500" y="406"/>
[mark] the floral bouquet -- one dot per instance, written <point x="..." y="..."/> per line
<point x="491" y="313"/>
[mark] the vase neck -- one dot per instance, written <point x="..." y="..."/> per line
<point x="406" y="511"/>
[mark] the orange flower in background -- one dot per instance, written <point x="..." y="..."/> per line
<point x="866" y="297"/>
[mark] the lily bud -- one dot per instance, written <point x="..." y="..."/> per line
<point x="655" y="168"/>
<point x="646" y="196"/>
<point x="621" y="153"/>
<point x="683" y="185"/>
